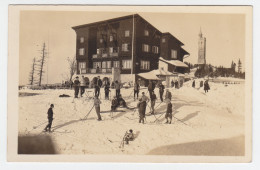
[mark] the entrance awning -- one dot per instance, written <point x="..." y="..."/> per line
<point x="149" y="76"/>
<point x="176" y="63"/>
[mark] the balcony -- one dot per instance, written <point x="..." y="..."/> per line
<point x="105" y="55"/>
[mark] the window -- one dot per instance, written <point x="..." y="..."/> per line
<point x="108" y="64"/>
<point x="96" y="64"/>
<point x="125" y="47"/>
<point x="81" y="51"/>
<point x="155" y="49"/>
<point x="111" y="50"/>
<point x="145" y="65"/>
<point x="163" y="40"/>
<point x="126" y="64"/>
<point x="98" y="51"/>
<point x="174" y="54"/>
<point x="81" y="39"/>
<point x="116" y="64"/>
<point x="127" y="33"/>
<point x="146" y="32"/>
<point x="82" y="65"/>
<point x="101" y="40"/>
<point x="146" y="48"/>
<point x="104" y="64"/>
<point x="111" y="38"/>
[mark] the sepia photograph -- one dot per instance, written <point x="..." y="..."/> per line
<point x="130" y="83"/>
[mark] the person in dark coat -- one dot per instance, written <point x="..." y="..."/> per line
<point x="176" y="84"/>
<point x="114" y="104"/>
<point x="161" y="91"/>
<point x="150" y="88"/>
<point x="201" y="83"/>
<point x="141" y="105"/>
<point x="172" y="83"/>
<point x="117" y="87"/>
<point x="136" y="89"/>
<point x="50" y="118"/>
<point x="153" y="99"/>
<point x="206" y="86"/>
<point x="193" y="84"/>
<point x="168" y="115"/>
<point x="98" y="86"/>
<point x="76" y="87"/>
<point x="168" y="95"/>
<point x="107" y="90"/>
<point x="129" y="137"/>
<point x="145" y="99"/>
<point x="121" y="101"/>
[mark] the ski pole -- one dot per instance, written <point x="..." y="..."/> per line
<point x="180" y="120"/>
<point x="34" y="127"/>
<point x="89" y="112"/>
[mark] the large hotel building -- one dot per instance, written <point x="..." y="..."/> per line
<point x="126" y="45"/>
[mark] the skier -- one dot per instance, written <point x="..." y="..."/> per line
<point x="117" y="87"/>
<point x="82" y="85"/>
<point x="153" y="99"/>
<point x="76" y="87"/>
<point x="136" y="89"/>
<point x="141" y="105"/>
<point x="129" y="137"/>
<point x="150" y="88"/>
<point x="50" y="118"/>
<point x="145" y="99"/>
<point x="97" y="103"/>
<point x="161" y="91"/>
<point x="98" y="86"/>
<point x="107" y="86"/>
<point x="168" y="115"/>
<point x="168" y="95"/>
<point x="206" y="86"/>
<point x="193" y="84"/>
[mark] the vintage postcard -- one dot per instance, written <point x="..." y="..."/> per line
<point x="130" y="83"/>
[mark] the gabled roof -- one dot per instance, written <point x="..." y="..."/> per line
<point x="169" y="34"/>
<point x="185" y="52"/>
<point x="174" y="62"/>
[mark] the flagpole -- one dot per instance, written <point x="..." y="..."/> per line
<point x="133" y="51"/>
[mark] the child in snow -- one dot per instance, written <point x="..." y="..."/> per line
<point x="50" y="118"/>
<point x="168" y="114"/>
<point x="129" y="136"/>
<point x="141" y="105"/>
<point x="114" y="104"/>
<point x="76" y="87"/>
<point x="97" y="103"/>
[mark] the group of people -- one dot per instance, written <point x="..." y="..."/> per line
<point x="206" y="85"/>
<point x="175" y="83"/>
<point x="144" y="100"/>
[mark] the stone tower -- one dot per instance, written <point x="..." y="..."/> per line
<point x="202" y="49"/>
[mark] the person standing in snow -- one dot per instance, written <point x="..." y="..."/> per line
<point x="176" y="84"/>
<point x="50" y="118"/>
<point x="172" y="83"/>
<point x="206" y="86"/>
<point x="168" y="95"/>
<point x="153" y="99"/>
<point x="76" y="87"/>
<point x="97" y="103"/>
<point x="145" y="99"/>
<point x="201" y="83"/>
<point x="117" y="87"/>
<point x="106" y="88"/>
<point x="114" y="104"/>
<point x="98" y="86"/>
<point x="161" y="91"/>
<point x="193" y="84"/>
<point x="136" y="89"/>
<point x="82" y="85"/>
<point x="141" y="105"/>
<point x="150" y="88"/>
<point x="168" y="115"/>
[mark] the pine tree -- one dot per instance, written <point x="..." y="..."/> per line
<point x="239" y="66"/>
<point x="41" y="63"/>
<point x="31" y="76"/>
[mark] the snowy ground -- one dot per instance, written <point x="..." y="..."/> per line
<point x="214" y="122"/>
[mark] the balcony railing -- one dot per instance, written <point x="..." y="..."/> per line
<point x="95" y="70"/>
<point x="105" y="55"/>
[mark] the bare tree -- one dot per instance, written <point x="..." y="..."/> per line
<point x="72" y="66"/>
<point x="41" y="63"/>
<point x="31" y="76"/>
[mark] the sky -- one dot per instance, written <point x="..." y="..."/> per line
<point x="225" y="37"/>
